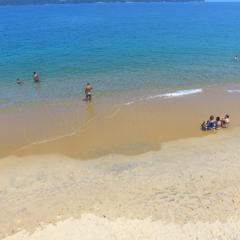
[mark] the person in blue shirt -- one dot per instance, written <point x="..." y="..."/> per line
<point x="209" y="125"/>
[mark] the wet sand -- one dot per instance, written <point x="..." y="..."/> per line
<point x="188" y="189"/>
<point x="85" y="131"/>
<point x="146" y="176"/>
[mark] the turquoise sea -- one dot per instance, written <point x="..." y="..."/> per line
<point x="155" y="47"/>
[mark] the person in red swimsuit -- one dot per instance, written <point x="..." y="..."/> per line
<point x="35" y="77"/>
<point x="88" y="92"/>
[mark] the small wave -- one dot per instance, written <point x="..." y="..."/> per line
<point x="234" y="91"/>
<point x="178" y="93"/>
<point x="129" y="103"/>
<point x="54" y="138"/>
<point x="74" y="132"/>
<point x="46" y="141"/>
<point x="132" y="102"/>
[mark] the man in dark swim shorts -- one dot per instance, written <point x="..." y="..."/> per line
<point x="88" y="92"/>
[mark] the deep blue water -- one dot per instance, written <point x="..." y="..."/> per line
<point x="116" y="47"/>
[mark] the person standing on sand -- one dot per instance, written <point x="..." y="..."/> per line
<point x="88" y="92"/>
<point x="36" y="77"/>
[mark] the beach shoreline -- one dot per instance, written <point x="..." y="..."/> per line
<point x="132" y="163"/>
<point x="91" y="130"/>
<point x="190" y="181"/>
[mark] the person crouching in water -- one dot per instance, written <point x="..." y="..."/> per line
<point x="88" y="92"/>
<point x="226" y="121"/>
<point x="19" y="81"/>
<point x="36" y="77"/>
<point x="218" y="123"/>
<point x="209" y="125"/>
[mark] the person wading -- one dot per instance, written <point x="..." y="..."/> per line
<point x="36" y="77"/>
<point x="88" y="92"/>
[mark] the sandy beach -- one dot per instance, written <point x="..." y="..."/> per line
<point x="86" y="131"/>
<point x="133" y="162"/>
<point x="189" y="189"/>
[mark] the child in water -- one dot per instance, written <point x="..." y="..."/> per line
<point x="209" y="125"/>
<point x="19" y="81"/>
<point x="35" y="77"/>
<point x="226" y="121"/>
<point x="217" y="124"/>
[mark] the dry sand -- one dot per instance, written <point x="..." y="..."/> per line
<point x="92" y="227"/>
<point x="187" y="190"/>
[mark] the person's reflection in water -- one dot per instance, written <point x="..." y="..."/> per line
<point x="37" y="88"/>
<point x="90" y="112"/>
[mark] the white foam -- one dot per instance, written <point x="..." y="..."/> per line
<point x="131" y="102"/>
<point x="233" y="91"/>
<point x="178" y="93"/>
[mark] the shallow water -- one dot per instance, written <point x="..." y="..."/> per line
<point x="160" y="48"/>
<point x="158" y="71"/>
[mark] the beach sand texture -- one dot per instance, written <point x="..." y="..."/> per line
<point x="92" y="227"/>
<point x="132" y="163"/>
<point x="187" y="190"/>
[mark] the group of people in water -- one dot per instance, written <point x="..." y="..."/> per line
<point x="87" y="89"/>
<point x="211" y="124"/>
<point x="36" y="79"/>
<point x="216" y="123"/>
<point x="88" y="97"/>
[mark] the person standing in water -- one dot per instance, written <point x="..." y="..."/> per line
<point x="36" y="77"/>
<point x="88" y="92"/>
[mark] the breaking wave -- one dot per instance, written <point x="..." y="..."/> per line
<point x="178" y="93"/>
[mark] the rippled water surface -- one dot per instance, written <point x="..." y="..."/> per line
<point x="160" y="48"/>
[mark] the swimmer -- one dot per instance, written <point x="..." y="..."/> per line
<point x="19" y="81"/>
<point x="236" y="58"/>
<point x="88" y="92"/>
<point x="35" y="77"/>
